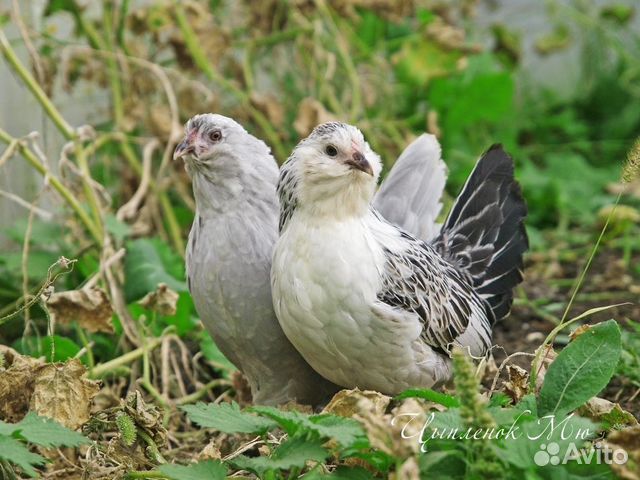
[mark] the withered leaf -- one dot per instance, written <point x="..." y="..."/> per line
<point x="163" y="300"/>
<point x="347" y="403"/>
<point x="62" y="392"/>
<point x="310" y="113"/>
<point x="91" y="308"/>
<point x="16" y="384"/>
<point x="609" y="413"/>
<point x="518" y="384"/>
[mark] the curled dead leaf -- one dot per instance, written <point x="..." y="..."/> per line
<point x="91" y="308"/>
<point x="518" y="384"/>
<point x="62" y="392"/>
<point x="347" y="403"/>
<point x="16" y="384"/>
<point x="163" y="300"/>
<point x="310" y="114"/>
<point x="609" y="413"/>
<point x="146" y="416"/>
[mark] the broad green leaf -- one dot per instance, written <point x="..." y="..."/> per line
<point x="430" y="395"/>
<point x="227" y="418"/>
<point x="345" y="431"/>
<point x="17" y="453"/>
<point x="444" y="464"/>
<point x="294" y="452"/>
<point x="207" y="470"/>
<point x="530" y="436"/>
<point x="48" y="433"/>
<point x="64" y="348"/>
<point x="149" y="262"/>
<point x="581" y="370"/>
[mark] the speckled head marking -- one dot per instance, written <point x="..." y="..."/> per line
<point x="332" y="170"/>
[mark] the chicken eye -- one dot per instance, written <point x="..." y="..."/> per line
<point x="215" y="135"/>
<point x="331" y="150"/>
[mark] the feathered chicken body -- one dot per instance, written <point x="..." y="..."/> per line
<point x="231" y="243"/>
<point x="365" y="302"/>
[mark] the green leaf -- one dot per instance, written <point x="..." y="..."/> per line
<point x="295" y="452"/>
<point x="65" y="348"/>
<point x="430" y="395"/>
<point x="565" y="431"/>
<point x="346" y="431"/>
<point x="48" y="433"/>
<point x="115" y="227"/>
<point x="149" y="262"/>
<point x="54" y="6"/>
<point x="17" y="453"/>
<point x="581" y="370"/>
<point x="227" y="418"/>
<point x="207" y="470"/>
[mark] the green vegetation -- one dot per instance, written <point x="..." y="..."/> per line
<point x="98" y="284"/>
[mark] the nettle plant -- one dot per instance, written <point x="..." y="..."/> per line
<point x="433" y="434"/>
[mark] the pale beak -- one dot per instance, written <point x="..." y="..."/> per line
<point x="359" y="162"/>
<point x="184" y="148"/>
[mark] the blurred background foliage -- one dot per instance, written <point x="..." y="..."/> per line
<point x="394" y="68"/>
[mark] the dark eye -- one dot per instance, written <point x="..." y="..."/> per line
<point x="215" y="136"/>
<point x="331" y="150"/>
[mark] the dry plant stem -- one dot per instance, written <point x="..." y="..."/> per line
<point x="120" y="306"/>
<point x="52" y="112"/>
<point x="16" y="17"/>
<point x="535" y="365"/>
<point x="102" y="369"/>
<point x="42" y="214"/>
<point x="129" y="209"/>
<point x="356" y="94"/>
<point x="201" y="60"/>
<point x="25" y="256"/>
<point x="104" y="265"/>
<point x="197" y="395"/>
<point x="65" y="264"/>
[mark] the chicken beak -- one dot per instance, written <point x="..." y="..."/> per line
<point x="184" y="148"/>
<point x="359" y="162"/>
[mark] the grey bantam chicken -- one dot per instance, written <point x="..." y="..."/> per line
<point x="231" y="243"/>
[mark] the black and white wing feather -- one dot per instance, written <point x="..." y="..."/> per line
<point x="416" y="279"/>
<point x="484" y="235"/>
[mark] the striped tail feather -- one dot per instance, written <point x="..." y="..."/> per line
<point x="484" y="235"/>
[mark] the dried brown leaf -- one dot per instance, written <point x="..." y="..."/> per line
<point x="163" y="300"/>
<point x="91" y="308"/>
<point x="517" y="385"/>
<point x="62" y="392"/>
<point x="310" y="114"/>
<point x="16" y="384"/>
<point x="347" y="403"/>
<point x="602" y="410"/>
